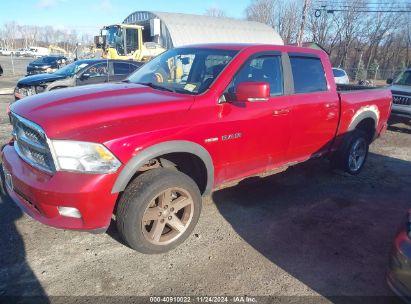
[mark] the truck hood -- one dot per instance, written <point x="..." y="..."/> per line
<point x="63" y="114"/>
<point x="398" y="89"/>
<point x="38" y="79"/>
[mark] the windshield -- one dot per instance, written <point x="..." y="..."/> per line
<point x="114" y="35"/>
<point x="404" y="78"/>
<point x="124" y="40"/>
<point x="184" y="70"/>
<point x="338" y="73"/>
<point x="71" y="69"/>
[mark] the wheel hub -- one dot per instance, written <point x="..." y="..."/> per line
<point x="167" y="216"/>
<point x="357" y="155"/>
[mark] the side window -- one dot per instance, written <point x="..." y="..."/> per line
<point x="99" y="69"/>
<point x="133" y="68"/>
<point x="308" y="74"/>
<point x="121" y="68"/>
<point x="265" y="68"/>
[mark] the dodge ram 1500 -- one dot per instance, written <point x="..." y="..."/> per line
<point x="145" y="150"/>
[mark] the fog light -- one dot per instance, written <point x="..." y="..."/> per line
<point x="69" y="212"/>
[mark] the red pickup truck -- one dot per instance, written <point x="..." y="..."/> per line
<point x="145" y="150"/>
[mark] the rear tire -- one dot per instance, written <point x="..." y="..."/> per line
<point x="353" y="153"/>
<point x="158" y="210"/>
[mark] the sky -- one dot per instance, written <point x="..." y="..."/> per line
<point x="90" y="15"/>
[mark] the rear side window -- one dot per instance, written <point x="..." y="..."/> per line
<point x="308" y="74"/>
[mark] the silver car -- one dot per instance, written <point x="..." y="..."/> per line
<point x="340" y="76"/>
<point x="401" y="94"/>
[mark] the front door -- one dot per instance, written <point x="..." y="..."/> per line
<point x="96" y="73"/>
<point x="256" y="134"/>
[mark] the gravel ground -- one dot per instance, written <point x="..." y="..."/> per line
<point x="303" y="232"/>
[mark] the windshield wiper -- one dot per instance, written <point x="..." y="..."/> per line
<point x="156" y="86"/>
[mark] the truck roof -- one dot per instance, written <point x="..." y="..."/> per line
<point x="256" y="47"/>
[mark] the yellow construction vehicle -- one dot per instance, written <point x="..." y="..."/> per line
<point x="56" y="50"/>
<point x="125" y="41"/>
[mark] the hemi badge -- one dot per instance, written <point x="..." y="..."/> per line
<point x="208" y="140"/>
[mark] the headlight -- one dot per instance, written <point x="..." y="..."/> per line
<point x="25" y="91"/>
<point x="30" y="91"/>
<point x="40" y="89"/>
<point x="21" y="91"/>
<point x="49" y="70"/>
<point x="84" y="157"/>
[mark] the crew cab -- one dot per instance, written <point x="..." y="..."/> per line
<point x="145" y="150"/>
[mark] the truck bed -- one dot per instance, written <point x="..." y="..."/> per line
<point x="341" y="88"/>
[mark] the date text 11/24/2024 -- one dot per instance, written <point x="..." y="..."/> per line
<point x="203" y="299"/>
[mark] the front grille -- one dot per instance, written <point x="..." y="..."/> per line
<point x="31" y="143"/>
<point x="401" y="100"/>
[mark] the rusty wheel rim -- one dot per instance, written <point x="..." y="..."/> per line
<point x="168" y="216"/>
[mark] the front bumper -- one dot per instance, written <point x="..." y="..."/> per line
<point x="40" y="194"/>
<point x="401" y="110"/>
<point x="399" y="272"/>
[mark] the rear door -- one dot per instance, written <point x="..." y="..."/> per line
<point x="121" y="70"/>
<point x="315" y="108"/>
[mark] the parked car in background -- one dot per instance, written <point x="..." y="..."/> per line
<point x="35" y="51"/>
<point x="340" y="76"/>
<point x="21" y="52"/>
<point x="399" y="270"/>
<point x="5" y="52"/>
<point x="401" y="94"/>
<point x="81" y="72"/>
<point x="46" y="64"/>
<point x="186" y="122"/>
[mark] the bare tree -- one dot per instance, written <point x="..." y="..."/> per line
<point x="214" y="12"/>
<point x="287" y="19"/>
<point x="261" y="11"/>
<point x="380" y="40"/>
<point x="10" y="34"/>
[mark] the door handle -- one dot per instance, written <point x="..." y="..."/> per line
<point x="330" y="105"/>
<point x="281" y="112"/>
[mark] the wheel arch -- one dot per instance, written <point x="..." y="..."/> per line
<point x="158" y="150"/>
<point x="366" y="119"/>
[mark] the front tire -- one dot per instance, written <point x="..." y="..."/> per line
<point x="158" y="210"/>
<point x="353" y="154"/>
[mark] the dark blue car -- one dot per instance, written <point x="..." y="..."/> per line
<point x="81" y="72"/>
<point x="46" y="64"/>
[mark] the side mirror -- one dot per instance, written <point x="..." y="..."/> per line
<point x="389" y="81"/>
<point x="253" y="91"/>
<point x="84" y="76"/>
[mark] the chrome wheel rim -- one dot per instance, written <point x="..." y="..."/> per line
<point x="168" y="216"/>
<point x="357" y="154"/>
